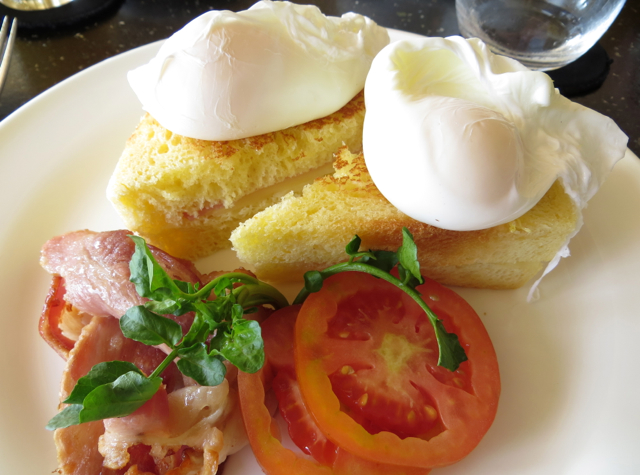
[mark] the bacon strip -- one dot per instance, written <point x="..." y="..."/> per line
<point x="101" y="340"/>
<point x="180" y="430"/>
<point x="91" y="276"/>
<point x="49" y="325"/>
<point x="206" y="420"/>
<point x="95" y="267"/>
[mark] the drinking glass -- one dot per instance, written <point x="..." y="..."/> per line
<point x="541" y="34"/>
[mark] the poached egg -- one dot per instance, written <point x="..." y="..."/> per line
<point x="228" y="76"/>
<point x="463" y="139"/>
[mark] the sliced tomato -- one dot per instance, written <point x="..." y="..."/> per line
<point x="275" y="459"/>
<point x="366" y="361"/>
<point x="303" y="430"/>
<point x="277" y="334"/>
<point x="263" y="433"/>
<point x="262" y="430"/>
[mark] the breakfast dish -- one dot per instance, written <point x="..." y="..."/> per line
<point x="461" y="141"/>
<point x="579" y="406"/>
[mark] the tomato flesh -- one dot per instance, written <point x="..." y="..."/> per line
<point x="366" y="361"/>
<point x="385" y="393"/>
<point x="302" y="428"/>
<point x="277" y="332"/>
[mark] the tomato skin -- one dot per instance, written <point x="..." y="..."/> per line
<point x="348" y="464"/>
<point x="465" y="414"/>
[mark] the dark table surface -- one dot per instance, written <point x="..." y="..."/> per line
<point x="45" y="56"/>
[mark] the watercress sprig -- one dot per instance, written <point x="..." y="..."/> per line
<point x="219" y="332"/>
<point x="380" y="264"/>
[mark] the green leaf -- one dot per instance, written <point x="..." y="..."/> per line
<point x="260" y="293"/>
<point x="164" y="307"/>
<point x="101" y="373"/>
<point x="313" y="281"/>
<point x="144" y="326"/>
<point x="222" y="285"/>
<point x="197" y="363"/>
<point x="408" y="255"/>
<point x="186" y="287"/>
<point x="149" y="277"/>
<point x="354" y="246"/>
<point x="236" y="312"/>
<point x="451" y="352"/>
<point x="69" y="416"/>
<point x="217" y="341"/>
<point x="209" y="310"/>
<point x="119" y="398"/>
<point x="353" y="251"/>
<point x="198" y="332"/>
<point x="407" y="278"/>
<point x="216" y="311"/>
<point x="244" y="346"/>
<point x="383" y="260"/>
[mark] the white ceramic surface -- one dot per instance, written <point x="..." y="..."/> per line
<point x="568" y="361"/>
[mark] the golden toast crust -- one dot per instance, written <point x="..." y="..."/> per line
<point x="311" y="231"/>
<point x="181" y="193"/>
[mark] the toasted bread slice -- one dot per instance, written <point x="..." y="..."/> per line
<point x="311" y="231"/>
<point x="186" y="195"/>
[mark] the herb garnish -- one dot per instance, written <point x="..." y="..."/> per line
<point x="219" y="330"/>
<point x="380" y="264"/>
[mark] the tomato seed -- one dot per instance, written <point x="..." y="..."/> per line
<point x="346" y="369"/>
<point x="431" y="412"/>
<point x="363" y="400"/>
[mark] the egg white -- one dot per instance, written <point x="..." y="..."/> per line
<point x="228" y="76"/>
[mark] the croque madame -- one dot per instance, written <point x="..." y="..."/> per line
<point x="186" y="195"/>
<point x="310" y="232"/>
<point x="238" y="103"/>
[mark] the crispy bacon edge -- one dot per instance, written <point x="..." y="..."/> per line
<point x="49" y="325"/>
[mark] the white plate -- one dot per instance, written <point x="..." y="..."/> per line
<point x="568" y="361"/>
